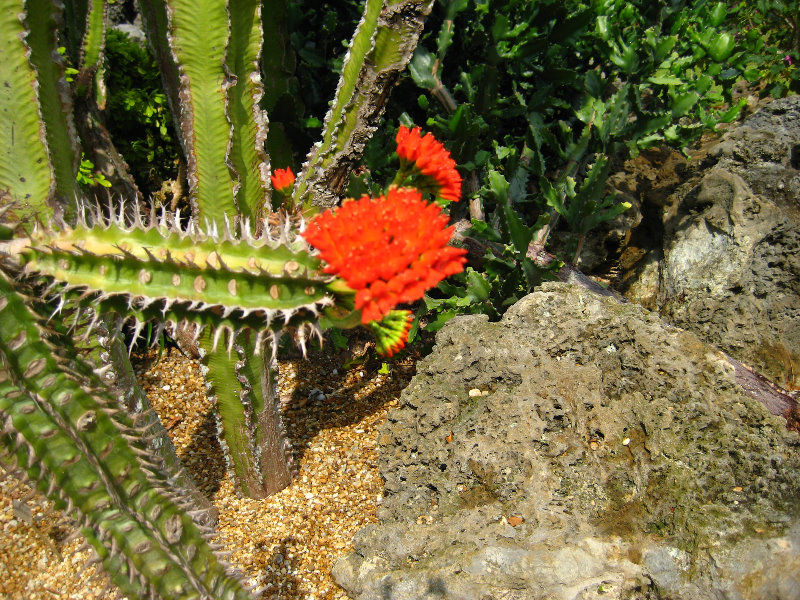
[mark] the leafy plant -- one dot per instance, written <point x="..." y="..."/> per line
<point x="140" y="122"/>
<point x="770" y="35"/>
<point x="550" y="97"/>
<point x="240" y="275"/>
<point x="87" y="175"/>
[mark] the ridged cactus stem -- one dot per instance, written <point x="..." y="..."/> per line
<point x="65" y="431"/>
<point x="251" y="433"/>
<point x="260" y="375"/>
<point x="154" y="272"/>
<point x="379" y="51"/>
<point x="243" y="291"/>
<point x="124" y="385"/>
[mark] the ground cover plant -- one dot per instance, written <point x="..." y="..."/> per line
<point x="531" y="104"/>
<point x="541" y="101"/>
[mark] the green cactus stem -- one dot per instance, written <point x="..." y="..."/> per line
<point x="248" y="121"/>
<point x="381" y="48"/>
<point x="65" y="431"/>
<point x="197" y="33"/>
<point x="92" y="44"/>
<point x="36" y="111"/>
<point x="243" y="390"/>
<point x="155" y="272"/>
<point x="247" y="292"/>
<point x="111" y="355"/>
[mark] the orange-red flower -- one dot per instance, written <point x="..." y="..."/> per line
<point x="283" y="180"/>
<point x="431" y="159"/>
<point x="389" y="249"/>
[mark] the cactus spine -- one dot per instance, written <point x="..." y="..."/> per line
<point x="72" y="440"/>
<point x="223" y="267"/>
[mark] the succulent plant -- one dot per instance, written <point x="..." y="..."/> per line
<point x="75" y="269"/>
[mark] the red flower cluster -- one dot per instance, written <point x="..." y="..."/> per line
<point x="282" y="180"/>
<point x="432" y="159"/>
<point x="389" y="250"/>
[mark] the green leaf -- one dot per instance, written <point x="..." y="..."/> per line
<point x="663" y="47"/>
<point x="501" y="27"/>
<point x="483" y="229"/>
<point x="626" y="59"/>
<point x="519" y="233"/>
<point x="733" y="112"/>
<point x="594" y="84"/>
<point x="722" y="47"/>
<point x="440" y="320"/>
<point x="552" y="197"/>
<point x="602" y="28"/>
<point x="683" y="103"/>
<point x="421" y="68"/>
<point x="478" y="288"/>
<point x="665" y="80"/>
<point x="498" y="186"/>
<point x="717" y="14"/>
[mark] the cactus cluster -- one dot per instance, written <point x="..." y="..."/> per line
<point x="74" y="442"/>
<point x="240" y="274"/>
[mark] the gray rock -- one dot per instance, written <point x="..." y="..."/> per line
<point x="729" y="266"/>
<point x="578" y="449"/>
<point x="134" y="32"/>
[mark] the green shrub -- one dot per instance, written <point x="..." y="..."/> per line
<point x="137" y="114"/>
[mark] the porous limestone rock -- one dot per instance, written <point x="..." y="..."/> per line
<point x="729" y="262"/>
<point x="579" y="448"/>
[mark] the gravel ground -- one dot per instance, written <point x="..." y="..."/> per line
<point x="285" y="544"/>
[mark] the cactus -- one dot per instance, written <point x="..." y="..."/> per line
<point x="241" y="275"/>
<point x="72" y="439"/>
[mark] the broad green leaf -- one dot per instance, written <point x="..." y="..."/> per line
<point x="421" y="68"/>
<point x="477" y="286"/>
<point x="665" y="80"/>
<point x="519" y="233"/>
<point x="600" y="216"/>
<point x="485" y="230"/>
<point x="552" y="197"/>
<point x="499" y="186"/>
<point x="718" y="14"/>
<point x="722" y="47"/>
<point x="663" y="47"/>
<point x="730" y="114"/>
<point x="626" y="58"/>
<point x="594" y="84"/>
